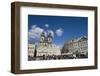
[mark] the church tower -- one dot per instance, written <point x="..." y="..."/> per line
<point x="45" y="41"/>
<point x="49" y="38"/>
<point x="42" y="39"/>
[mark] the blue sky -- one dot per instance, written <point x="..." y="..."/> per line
<point x="63" y="28"/>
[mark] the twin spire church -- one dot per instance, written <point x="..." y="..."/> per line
<point x="46" y="41"/>
<point x="46" y="47"/>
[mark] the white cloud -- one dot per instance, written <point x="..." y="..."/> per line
<point x="46" y="25"/>
<point x="35" y="32"/>
<point x="52" y="33"/>
<point x="59" y="32"/>
<point x="34" y="26"/>
<point x="45" y="33"/>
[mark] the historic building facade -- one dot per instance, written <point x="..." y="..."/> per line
<point x="31" y="50"/>
<point x="76" y="48"/>
<point x="79" y="45"/>
<point x="46" y="47"/>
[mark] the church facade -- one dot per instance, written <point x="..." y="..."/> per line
<point x="46" y="47"/>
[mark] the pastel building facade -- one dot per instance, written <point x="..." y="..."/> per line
<point x="31" y="50"/>
<point x="79" y="45"/>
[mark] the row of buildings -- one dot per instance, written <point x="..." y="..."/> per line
<point x="47" y="48"/>
<point x="79" y="45"/>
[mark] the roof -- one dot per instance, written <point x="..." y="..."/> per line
<point x="78" y="39"/>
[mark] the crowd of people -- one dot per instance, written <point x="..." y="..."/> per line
<point x="55" y="57"/>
